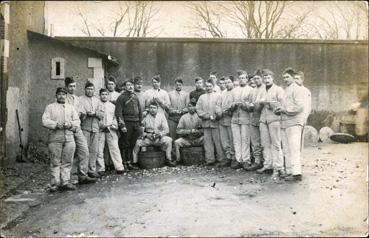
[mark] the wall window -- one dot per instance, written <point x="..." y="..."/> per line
<point x="57" y="68"/>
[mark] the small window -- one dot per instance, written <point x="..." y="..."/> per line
<point x="57" y="68"/>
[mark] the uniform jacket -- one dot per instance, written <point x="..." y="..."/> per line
<point x="225" y="103"/>
<point x="240" y="115"/>
<point x="128" y="108"/>
<point x="109" y="118"/>
<point x="187" y="123"/>
<point x="274" y="97"/>
<point x="258" y="94"/>
<point x="161" y="94"/>
<point x="294" y="105"/>
<point x="206" y="106"/>
<point x="92" y="104"/>
<point x="157" y="124"/>
<point x="178" y="101"/>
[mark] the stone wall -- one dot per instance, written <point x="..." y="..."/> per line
<point x="335" y="71"/>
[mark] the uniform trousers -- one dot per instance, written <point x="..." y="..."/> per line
<point x="271" y="142"/>
<point x="292" y="143"/>
<point x="61" y="159"/>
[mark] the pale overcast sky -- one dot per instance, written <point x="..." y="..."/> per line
<point x="173" y="18"/>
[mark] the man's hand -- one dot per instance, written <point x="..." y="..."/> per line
<point x="59" y="125"/>
<point x="123" y="129"/>
<point x="114" y="127"/>
<point x="67" y="125"/>
<point x="144" y="113"/>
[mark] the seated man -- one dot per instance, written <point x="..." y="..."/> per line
<point x="189" y="130"/>
<point x="155" y="133"/>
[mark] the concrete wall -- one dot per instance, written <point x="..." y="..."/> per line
<point x="24" y="15"/>
<point x="42" y="87"/>
<point x="335" y="71"/>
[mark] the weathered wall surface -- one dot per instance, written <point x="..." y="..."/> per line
<point x="336" y="71"/>
<point x="42" y="88"/>
<point x="24" y="15"/>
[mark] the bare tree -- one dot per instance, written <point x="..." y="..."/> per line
<point x="131" y="19"/>
<point x="207" y="20"/>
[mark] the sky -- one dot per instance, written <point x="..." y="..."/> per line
<point x="174" y="18"/>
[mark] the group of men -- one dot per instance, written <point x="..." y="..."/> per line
<point x="246" y="122"/>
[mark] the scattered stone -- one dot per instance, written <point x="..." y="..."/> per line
<point x="324" y="135"/>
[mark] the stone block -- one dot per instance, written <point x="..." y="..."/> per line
<point x="311" y="136"/>
<point x="324" y="134"/>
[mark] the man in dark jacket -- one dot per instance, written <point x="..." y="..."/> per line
<point x="199" y="90"/>
<point x="129" y="116"/>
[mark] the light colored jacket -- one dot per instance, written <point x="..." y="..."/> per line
<point x="225" y="103"/>
<point x="92" y="104"/>
<point x="307" y="102"/>
<point x="158" y="124"/>
<point x="207" y="106"/>
<point x="187" y="123"/>
<point x="241" y="95"/>
<point x="109" y="115"/>
<point x="60" y="113"/>
<point x="257" y="95"/>
<point x="160" y="94"/>
<point x="293" y="105"/>
<point x="178" y="101"/>
<point x="274" y="98"/>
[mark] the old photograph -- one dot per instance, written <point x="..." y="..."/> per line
<point x="184" y="119"/>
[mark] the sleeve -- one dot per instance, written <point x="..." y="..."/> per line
<point x="295" y="106"/>
<point x="187" y="100"/>
<point x="100" y="111"/>
<point x="308" y="103"/>
<point x="201" y="110"/>
<point x="165" y="126"/>
<point x="218" y="105"/>
<point x="46" y="119"/>
<point x="181" y="127"/>
<point x="166" y="101"/>
<point x="118" y="111"/>
<point x="76" y="122"/>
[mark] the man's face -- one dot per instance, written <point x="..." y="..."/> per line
<point x="129" y="87"/>
<point x="110" y="86"/>
<point x="138" y="86"/>
<point x="213" y="78"/>
<point x="236" y="83"/>
<point x="222" y="85"/>
<point x="89" y="91"/>
<point x="268" y="80"/>
<point x="155" y="84"/>
<point x="252" y="82"/>
<point x="153" y="110"/>
<point x="191" y="109"/>
<point x="60" y="97"/>
<point x="298" y="79"/>
<point x="209" y="87"/>
<point x="229" y="84"/>
<point x="257" y="80"/>
<point x="243" y="79"/>
<point x="71" y="88"/>
<point x="104" y="96"/>
<point x="199" y="84"/>
<point x="288" y="79"/>
<point x="178" y="86"/>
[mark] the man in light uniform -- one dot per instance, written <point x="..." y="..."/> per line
<point x="225" y="115"/>
<point x="240" y="123"/>
<point x="91" y="111"/>
<point x="270" y="127"/>
<point x="108" y="134"/>
<point x="155" y="133"/>
<point x="258" y="95"/>
<point x="299" y="80"/>
<point x="222" y="84"/>
<point x="206" y="108"/>
<point x="179" y="100"/>
<point x="61" y="119"/>
<point x="157" y="94"/>
<point x="292" y="121"/>
<point x="214" y="79"/>
<point x="189" y="130"/>
<point x="111" y="85"/>
<point x="199" y="90"/>
<point x="81" y="151"/>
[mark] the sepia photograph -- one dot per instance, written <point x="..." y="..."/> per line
<point x="184" y="119"/>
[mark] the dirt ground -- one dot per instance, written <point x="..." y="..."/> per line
<point x="332" y="200"/>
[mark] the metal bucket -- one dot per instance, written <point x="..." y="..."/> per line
<point x="152" y="159"/>
<point x="192" y="155"/>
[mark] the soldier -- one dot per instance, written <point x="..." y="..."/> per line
<point x="206" y="108"/>
<point x="222" y="84"/>
<point x="108" y="134"/>
<point x="157" y="94"/>
<point x="299" y="80"/>
<point x="199" y="90"/>
<point x="189" y="130"/>
<point x="155" y="133"/>
<point x="61" y="119"/>
<point x="225" y="115"/>
<point x="270" y="127"/>
<point x="257" y="95"/>
<point x="129" y="116"/>
<point x="292" y="121"/>
<point x="111" y="85"/>
<point x="137" y="83"/>
<point x="240" y="123"/>
<point x="179" y="100"/>
<point x="214" y="79"/>
<point x="81" y="151"/>
<point x="91" y="111"/>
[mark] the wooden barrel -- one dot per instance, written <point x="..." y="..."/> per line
<point x="192" y="155"/>
<point x="151" y="159"/>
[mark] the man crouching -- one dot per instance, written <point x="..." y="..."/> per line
<point x="61" y="119"/>
<point x="155" y="133"/>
